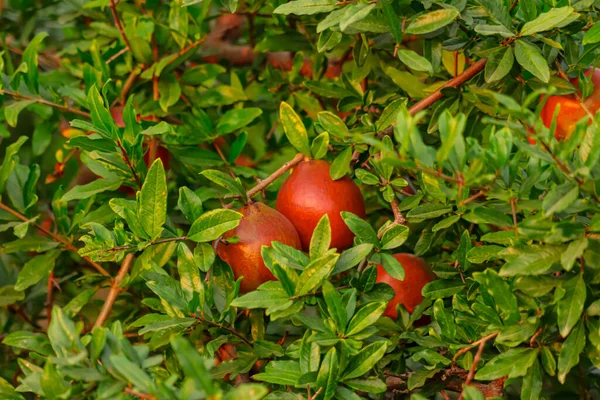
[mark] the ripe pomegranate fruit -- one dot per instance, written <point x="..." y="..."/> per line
<point x="408" y="291"/>
<point x="309" y="193"/>
<point x="572" y="107"/>
<point x="259" y="226"/>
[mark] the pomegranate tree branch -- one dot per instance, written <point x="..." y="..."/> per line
<point x="113" y="7"/>
<point x="114" y="290"/>
<point x="68" y="245"/>
<point x="435" y="96"/>
<point x="474" y="344"/>
<point x="131" y="246"/>
<point x="128" y="162"/>
<point x="45" y="102"/>
<point x="284" y="168"/>
<point x="476" y="360"/>
<point x="229" y="329"/>
<point x="398" y="217"/>
<point x="185" y="50"/>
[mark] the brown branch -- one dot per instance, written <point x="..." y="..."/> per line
<point x="474" y="197"/>
<point x="50" y="296"/>
<point x="398" y="217"/>
<point x="474" y="344"/>
<point x="127" y="247"/>
<point x="229" y="329"/>
<point x="45" y="102"/>
<point x="117" y="55"/>
<point x="270" y="179"/>
<point x="114" y="290"/>
<point x="476" y="360"/>
<point x="184" y="51"/>
<point x="513" y="207"/>
<point x="128" y="162"/>
<point x="435" y="96"/>
<point x="113" y="7"/>
<point x="145" y="396"/>
<point x="68" y="245"/>
<point x="128" y="83"/>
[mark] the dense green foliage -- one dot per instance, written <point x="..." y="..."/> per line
<point x="510" y="226"/>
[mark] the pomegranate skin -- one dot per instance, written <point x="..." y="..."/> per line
<point x="259" y="226"/>
<point x="572" y="110"/>
<point x="408" y="291"/>
<point x="309" y="193"/>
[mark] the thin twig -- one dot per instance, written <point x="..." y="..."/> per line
<point x="129" y="164"/>
<point x="114" y="290"/>
<point x="68" y="245"/>
<point x="45" y="102"/>
<point x="144" y="396"/>
<point x="474" y="344"/>
<point x="474" y="197"/>
<point x="513" y="207"/>
<point x="476" y="360"/>
<point x="50" y="296"/>
<point x="128" y="83"/>
<point x="117" y="55"/>
<point x="229" y="329"/>
<point x="131" y="246"/>
<point x="435" y="96"/>
<point x="113" y="7"/>
<point x="398" y="217"/>
<point x="185" y="50"/>
<point x="270" y="179"/>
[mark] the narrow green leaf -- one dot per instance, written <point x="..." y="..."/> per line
<point x="570" y="351"/>
<point x="36" y="269"/>
<point x="152" y="211"/>
<point x="365" y="360"/>
<point x="570" y="306"/>
<point x="531" y="59"/>
<point x="432" y="21"/>
<point x="294" y="128"/>
<point x="212" y="224"/>
<point x="321" y="238"/>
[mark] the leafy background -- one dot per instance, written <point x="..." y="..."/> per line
<point x="429" y="106"/>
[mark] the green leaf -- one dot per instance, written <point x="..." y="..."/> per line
<point x="428" y="211"/>
<point x="531" y="59"/>
<point x="432" y="21"/>
<point x="9" y="162"/>
<point x="261" y="299"/>
<point x="293" y="127"/>
<point x="101" y="117"/>
<point x="499" y="64"/>
<point x="53" y="384"/>
<point x="500" y="291"/>
<point x="315" y="273"/>
<point x="370" y="385"/>
<point x="224" y="180"/>
<point x="414" y="61"/>
<point x="341" y="164"/>
<point x="211" y="225"/>
<point x="512" y="363"/>
<point x="97" y="186"/>
<point x="351" y="257"/>
<point x="132" y="372"/>
<point x="12" y="111"/>
<point x="30" y="57"/>
<point x="29" y="341"/>
<point x="560" y="198"/>
<point x="481" y="254"/>
<point x="169" y="90"/>
<point x="328" y="375"/>
<point x="573" y="252"/>
<point x="593" y="35"/>
<point x="320" y="146"/>
<point x="570" y="306"/>
<point x="235" y="119"/>
<point x="333" y="124"/>
<point x="534" y="260"/>
<point x="305" y="7"/>
<point x="178" y="22"/>
<point x="362" y="229"/>
<point x="355" y="12"/>
<point x="189" y="275"/>
<point x="570" y="351"/>
<point x="336" y="309"/>
<point x="392" y="20"/>
<point x="247" y="391"/>
<point x="167" y="324"/>
<point x="366" y="316"/>
<point x="392" y="266"/>
<point x="321" y="238"/>
<point x="36" y="269"/>
<point x="365" y="360"/>
<point x="547" y="20"/>
<point x="394" y="237"/>
<point x="498" y="11"/>
<point x="442" y="288"/>
<point x="189" y="203"/>
<point x="152" y="211"/>
<point x="204" y="254"/>
<point x="532" y="383"/>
